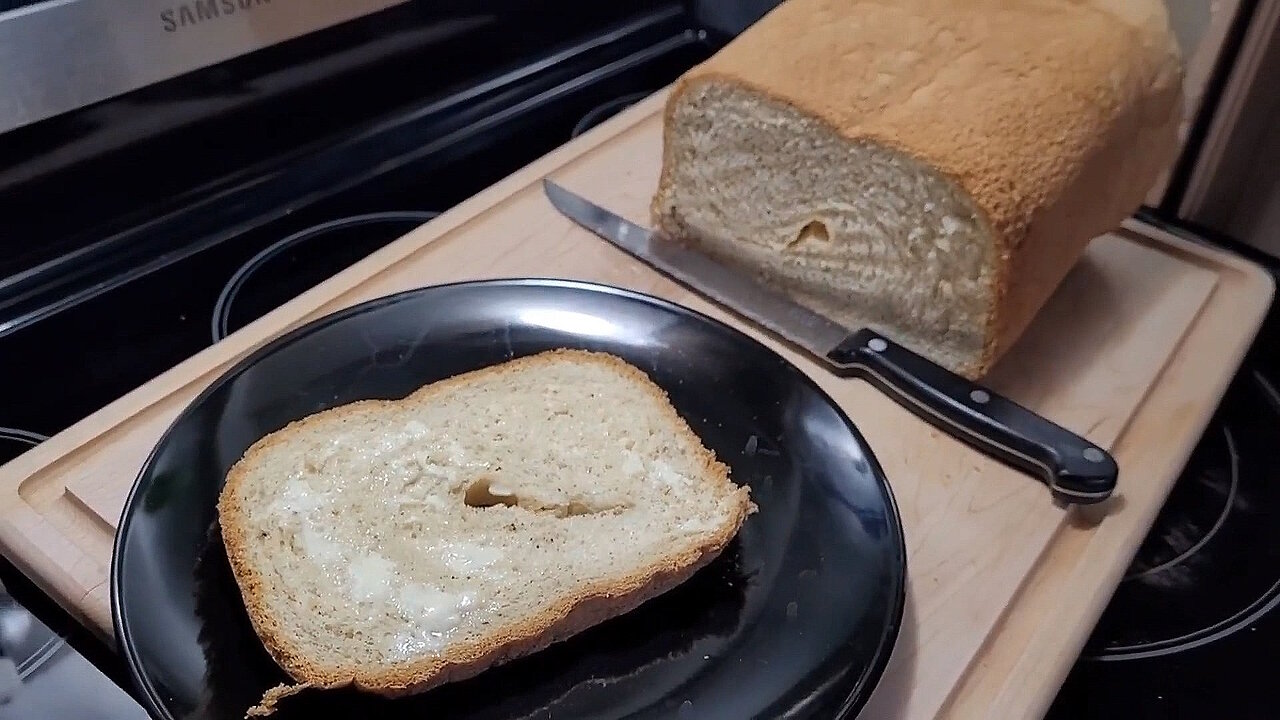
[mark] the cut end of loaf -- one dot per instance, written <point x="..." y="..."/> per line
<point x="399" y="545"/>
<point x="854" y="229"/>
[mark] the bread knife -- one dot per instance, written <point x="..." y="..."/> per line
<point x="1075" y="470"/>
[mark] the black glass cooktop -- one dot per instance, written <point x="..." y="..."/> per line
<point x="151" y="267"/>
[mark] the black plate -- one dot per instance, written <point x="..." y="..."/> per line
<point x="796" y="619"/>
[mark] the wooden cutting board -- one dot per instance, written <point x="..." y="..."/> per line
<point x="1134" y="351"/>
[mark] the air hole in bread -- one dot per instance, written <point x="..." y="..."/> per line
<point x="813" y="231"/>
<point x="486" y="492"/>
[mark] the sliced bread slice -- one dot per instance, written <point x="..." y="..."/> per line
<point x="398" y="545"/>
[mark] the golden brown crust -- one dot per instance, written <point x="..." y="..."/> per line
<point x="558" y="621"/>
<point x="1054" y="116"/>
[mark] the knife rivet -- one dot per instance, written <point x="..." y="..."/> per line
<point x="878" y="344"/>
<point x="981" y="397"/>
<point x="1093" y="454"/>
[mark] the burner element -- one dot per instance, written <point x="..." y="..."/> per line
<point x="1191" y="517"/>
<point x="290" y="266"/>
<point x="604" y="111"/>
<point x="1190" y="631"/>
<point x="1211" y="564"/>
<point x="14" y="442"/>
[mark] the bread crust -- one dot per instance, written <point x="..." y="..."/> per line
<point x="557" y="621"/>
<point x="1054" y="116"/>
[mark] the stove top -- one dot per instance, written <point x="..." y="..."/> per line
<point x="203" y="204"/>
<point x="137" y="297"/>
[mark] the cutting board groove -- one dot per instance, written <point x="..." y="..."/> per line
<point x="984" y="625"/>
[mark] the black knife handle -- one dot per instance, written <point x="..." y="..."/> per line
<point x="1075" y="470"/>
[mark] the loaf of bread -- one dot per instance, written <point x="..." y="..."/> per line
<point x="927" y="168"/>
<point x="398" y="545"/>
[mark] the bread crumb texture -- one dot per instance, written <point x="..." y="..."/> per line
<point x="398" y="545"/>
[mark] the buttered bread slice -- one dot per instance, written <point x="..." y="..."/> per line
<point x="398" y="545"/>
